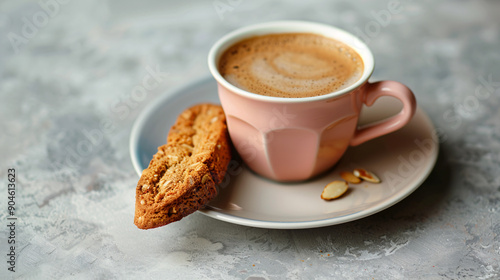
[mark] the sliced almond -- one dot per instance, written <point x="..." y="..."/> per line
<point x="164" y="185"/>
<point x="174" y="158"/>
<point x="188" y="147"/>
<point x="205" y="178"/>
<point x="334" y="190"/>
<point x="187" y="114"/>
<point x="349" y="177"/>
<point x="366" y="175"/>
<point x="196" y="165"/>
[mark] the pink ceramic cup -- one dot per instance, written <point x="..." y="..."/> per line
<point x="294" y="139"/>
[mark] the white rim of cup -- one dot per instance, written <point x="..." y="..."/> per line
<point x="290" y="27"/>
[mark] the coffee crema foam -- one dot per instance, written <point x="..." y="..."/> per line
<point x="291" y="65"/>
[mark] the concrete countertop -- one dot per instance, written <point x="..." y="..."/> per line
<point x="65" y="65"/>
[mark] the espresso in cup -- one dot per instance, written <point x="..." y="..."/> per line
<point x="291" y="65"/>
<point x="292" y="93"/>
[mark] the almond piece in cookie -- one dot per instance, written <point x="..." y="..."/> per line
<point x="334" y="190"/>
<point x="184" y="173"/>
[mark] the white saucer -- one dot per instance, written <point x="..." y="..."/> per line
<point x="403" y="160"/>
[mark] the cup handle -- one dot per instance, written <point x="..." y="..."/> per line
<point x="386" y="88"/>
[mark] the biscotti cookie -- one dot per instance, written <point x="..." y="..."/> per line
<point x="184" y="173"/>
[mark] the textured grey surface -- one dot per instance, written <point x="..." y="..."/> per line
<point x="67" y="81"/>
